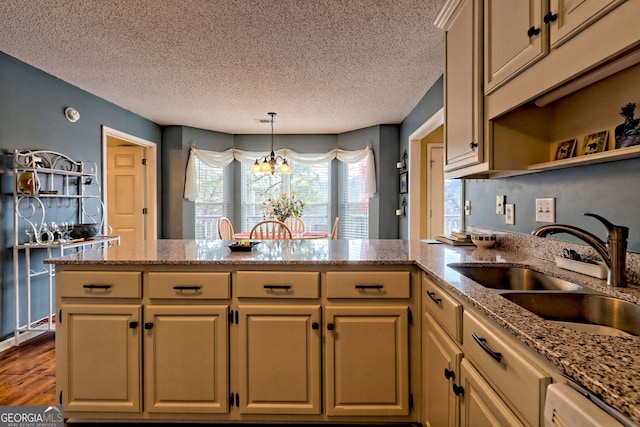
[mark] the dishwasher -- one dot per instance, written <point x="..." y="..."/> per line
<point x="566" y="406"/>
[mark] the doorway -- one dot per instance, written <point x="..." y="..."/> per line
<point x="130" y="185"/>
<point x="418" y="222"/>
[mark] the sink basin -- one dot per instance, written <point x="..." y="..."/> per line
<point x="513" y="278"/>
<point x="601" y="312"/>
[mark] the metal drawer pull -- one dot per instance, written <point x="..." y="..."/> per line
<point x="186" y="288"/>
<point x="96" y="286"/>
<point x="432" y="295"/>
<point x="482" y="343"/>
<point x="365" y="287"/>
<point x="273" y="287"/>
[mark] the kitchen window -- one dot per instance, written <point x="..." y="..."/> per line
<point x="210" y="203"/>
<point x="311" y="183"/>
<point x="354" y="201"/>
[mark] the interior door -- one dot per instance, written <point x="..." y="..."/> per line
<point x="435" y="191"/>
<point x="126" y="192"/>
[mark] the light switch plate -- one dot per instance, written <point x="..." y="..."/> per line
<point x="500" y="205"/>
<point x="546" y="209"/>
<point x="467" y="207"/>
<point x="510" y="214"/>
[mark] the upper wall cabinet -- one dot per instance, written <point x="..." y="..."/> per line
<point x="568" y="17"/>
<point x="461" y="20"/>
<point x="531" y="57"/>
<point x="516" y="35"/>
<point x="513" y="38"/>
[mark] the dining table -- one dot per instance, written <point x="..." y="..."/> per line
<point x="295" y="235"/>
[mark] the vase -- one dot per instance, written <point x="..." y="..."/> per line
<point x="28" y="183"/>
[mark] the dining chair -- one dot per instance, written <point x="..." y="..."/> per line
<point x="334" y="230"/>
<point x="225" y="229"/>
<point x="270" y="229"/>
<point x="295" y="223"/>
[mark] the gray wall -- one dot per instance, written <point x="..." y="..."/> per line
<point x="32" y="107"/>
<point x="611" y="190"/>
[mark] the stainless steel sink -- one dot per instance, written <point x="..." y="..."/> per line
<point x="574" y="309"/>
<point x="513" y="278"/>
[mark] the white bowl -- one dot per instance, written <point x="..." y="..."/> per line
<point x="483" y="240"/>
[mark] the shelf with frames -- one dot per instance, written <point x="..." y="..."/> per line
<point x="49" y="187"/>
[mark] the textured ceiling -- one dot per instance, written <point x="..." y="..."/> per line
<point x="325" y="66"/>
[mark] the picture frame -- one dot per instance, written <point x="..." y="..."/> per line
<point x="566" y="149"/>
<point x="595" y="142"/>
<point x="404" y="183"/>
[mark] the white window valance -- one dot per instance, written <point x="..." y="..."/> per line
<point x="222" y="159"/>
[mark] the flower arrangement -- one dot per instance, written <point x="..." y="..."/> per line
<point x="283" y="207"/>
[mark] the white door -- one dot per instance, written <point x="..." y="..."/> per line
<point x="126" y="192"/>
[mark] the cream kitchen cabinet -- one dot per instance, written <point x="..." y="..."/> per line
<point x="367" y="351"/>
<point x="462" y="22"/>
<point x="186" y="363"/>
<point x="442" y="371"/>
<point x="279" y="342"/>
<point x="481" y="406"/>
<point x="480" y="376"/>
<point x="514" y="38"/>
<point x="535" y="57"/>
<point x="99" y="341"/>
<point x="279" y="353"/>
<point x="519" y="382"/>
<point x="516" y="35"/>
<point x="441" y="339"/>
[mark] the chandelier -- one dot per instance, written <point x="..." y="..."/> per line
<point x="270" y="162"/>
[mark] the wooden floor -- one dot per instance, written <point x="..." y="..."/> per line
<point x="28" y="373"/>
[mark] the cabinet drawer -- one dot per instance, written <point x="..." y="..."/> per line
<point x="444" y="309"/>
<point x="183" y="285"/>
<point x="369" y="284"/>
<point x="521" y="383"/>
<point x="278" y="284"/>
<point x="100" y="284"/>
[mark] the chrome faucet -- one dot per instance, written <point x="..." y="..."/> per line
<point x="613" y="251"/>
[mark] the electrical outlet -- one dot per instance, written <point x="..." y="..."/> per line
<point x="500" y="205"/>
<point x="510" y="214"/>
<point x="546" y="209"/>
<point x="467" y="207"/>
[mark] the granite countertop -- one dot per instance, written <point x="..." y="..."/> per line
<point x="608" y="366"/>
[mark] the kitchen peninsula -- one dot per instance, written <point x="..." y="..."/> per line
<point x="298" y="331"/>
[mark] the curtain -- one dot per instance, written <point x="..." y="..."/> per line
<point x="222" y="159"/>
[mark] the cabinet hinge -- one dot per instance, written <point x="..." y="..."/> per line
<point x="59" y="319"/>
<point x="60" y="398"/>
<point x="144" y="162"/>
<point x="145" y="211"/>
<point x="410" y="401"/>
<point x="410" y="317"/>
<point x="233" y="317"/>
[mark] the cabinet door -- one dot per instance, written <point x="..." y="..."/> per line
<point x="98" y="357"/>
<point x="186" y="358"/>
<point x="367" y="360"/>
<point x="480" y="405"/>
<point x="514" y="38"/>
<point x="572" y="16"/>
<point x="442" y="369"/>
<point x="279" y="352"/>
<point x="463" y="100"/>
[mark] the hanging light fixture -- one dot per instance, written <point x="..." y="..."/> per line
<point x="269" y="163"/>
